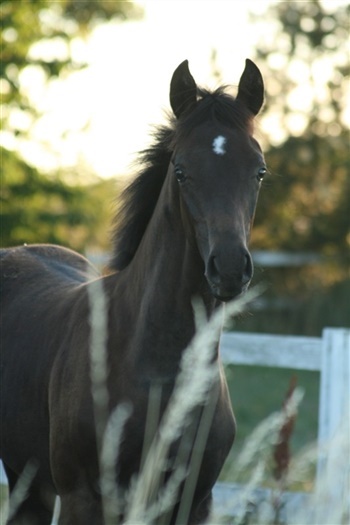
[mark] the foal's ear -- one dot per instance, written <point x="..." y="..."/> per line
<point x="251" y="87"/>
<point x="183" y="90"/>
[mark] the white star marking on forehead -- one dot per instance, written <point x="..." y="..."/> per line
<point x="219" y="145"/>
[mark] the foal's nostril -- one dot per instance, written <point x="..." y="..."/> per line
<point x="248" y="270"/>
<point x="212" y="270"/>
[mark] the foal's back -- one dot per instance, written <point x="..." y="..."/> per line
<point x="42" y="264"/>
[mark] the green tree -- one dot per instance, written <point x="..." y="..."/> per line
<point x="304" y="204"/>
<point x="309" y="181"/>
<point x="36" y="207"/>
<point x="28" y="22"/>
<point x="304" y="56"/>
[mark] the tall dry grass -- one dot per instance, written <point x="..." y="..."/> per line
<point x="149" y="498"/>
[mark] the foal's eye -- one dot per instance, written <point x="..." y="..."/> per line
<point x="179" y="173"/>
<point x="261" y="174"/>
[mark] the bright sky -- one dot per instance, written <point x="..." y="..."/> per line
<point x="125" y="88"/>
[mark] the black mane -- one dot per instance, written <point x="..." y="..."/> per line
<point x="140" y="197"/>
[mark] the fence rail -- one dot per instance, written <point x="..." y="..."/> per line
<point x="302" y="353"/>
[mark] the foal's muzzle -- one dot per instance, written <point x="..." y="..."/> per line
<point x="229" y="272"/>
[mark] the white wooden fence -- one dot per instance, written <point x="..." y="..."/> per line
<point x="330" y="355"/>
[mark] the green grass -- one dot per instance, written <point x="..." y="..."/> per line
<point x="257" y="392"/>
<point x="3" y="502"/>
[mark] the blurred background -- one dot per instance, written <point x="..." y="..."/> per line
<point x="83" y="81"/>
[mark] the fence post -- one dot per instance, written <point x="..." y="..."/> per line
<point x="333" y="469"/>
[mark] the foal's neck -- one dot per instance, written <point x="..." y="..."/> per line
<point x="167" y="273"/>
<point x="171" y="265"/>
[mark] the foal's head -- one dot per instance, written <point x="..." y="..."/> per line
<point x="218" y="167"/>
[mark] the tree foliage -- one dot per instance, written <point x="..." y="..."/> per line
<point x="306" y="63"/>
<point x="28" y="22"/>
<point x="36" y="207"/>
<point x="310" y="186"/>
<point x="309" y="170"/>
<point x="304" y="206"/>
